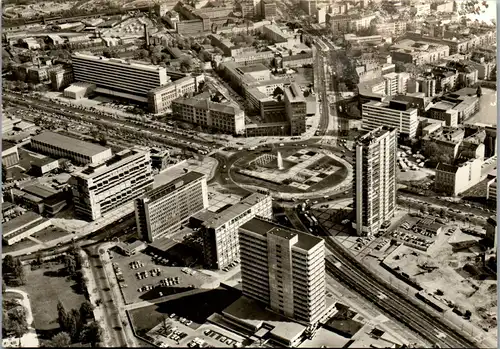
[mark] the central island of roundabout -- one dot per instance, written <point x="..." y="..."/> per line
<point x="291" y="172"/>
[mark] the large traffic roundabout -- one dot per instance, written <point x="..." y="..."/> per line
<point x="296" y="171"/>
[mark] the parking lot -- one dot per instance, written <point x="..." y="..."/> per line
<point x="178" y="331"/>
<point x="150" y="277"/>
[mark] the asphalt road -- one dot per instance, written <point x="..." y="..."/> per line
<point x="107" y="121"/>
<point x="111" y="314"/>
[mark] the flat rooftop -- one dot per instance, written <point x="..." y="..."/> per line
<point x="26" y="218"/>
<point x="371" y="136"/>
<point x="116" y="161"/>
<point x="253" y="313"/>
<point x="221" y="218"/>
<point x="173" y="185"/>
<point x="253" y="68"/>
<point x="119" y="62"/>
<point x="263" y="227"/>
<point x="7" y="145"/>
<point x="40" y="190"/>
<point x="70" y="144"/>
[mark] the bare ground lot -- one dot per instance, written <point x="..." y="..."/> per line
<point x="470" y="292"/>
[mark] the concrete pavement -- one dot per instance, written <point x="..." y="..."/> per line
<point x="30" y="339"/>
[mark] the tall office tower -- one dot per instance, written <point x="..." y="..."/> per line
<point x="161" y="211"/>
<point x="284" y="269"/>
<point x="118" y="77"/>
<point x="296" y="109"/>
<point x="102" y="187"/>
<point x="374" y="182"/>
<point x="248" y="8"/>
<point x="220" y="230"/>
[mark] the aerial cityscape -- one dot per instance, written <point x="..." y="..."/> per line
<point x="249" y="173"/>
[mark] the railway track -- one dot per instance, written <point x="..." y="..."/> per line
<point x="347" y="270"/>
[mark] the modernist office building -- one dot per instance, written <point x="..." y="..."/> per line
<point x="118" y="77"/>
<point x="374" y="182"/>
<point x="60" y="146"/>
<point x="100" y="188"/>
<point x="161" y="211"/>
<point x="296" y="109"/>
<point x="284" y="269"/>
<point x="398" y="114"/>
<point x="220" y="230"/>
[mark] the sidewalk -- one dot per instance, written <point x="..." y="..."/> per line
<point x="30" y="339"/>
<point x="93" y="297"/>
<point x="117" y="296"/>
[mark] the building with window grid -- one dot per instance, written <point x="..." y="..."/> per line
<point x="220" y="230"/>
<point x="284" y="269"/>
<point x="60" y="146"/>
<point x="398" y="114"/>
<point x="161" y="211"/>
<point x="117" y="77"/>
<point x="100" y="188"/>
<point x="374" y="182"/>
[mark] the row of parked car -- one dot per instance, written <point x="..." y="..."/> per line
<point x="231" y="266"/>
<point x="219" y="337"/>
<point x="136" y="265"/>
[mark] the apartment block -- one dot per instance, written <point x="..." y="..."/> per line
<point x="220" y="230"/>
<point x="100" y="188"/>
<point x="455" y="179"/>
<point x="81" y="152"/>
<point x="160" y="99"/>
<point x="374" y="182"/>
<point x="118" y="77"/>
<point x="284" y="269"/>
<point x="443" y="110"/>
<point x="295" y="106"/>
<point x="161" y="211"/>
<point x="396" y="114"/>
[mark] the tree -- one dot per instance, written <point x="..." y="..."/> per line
<point x="60" y="340"/>
<point x="61" y="316"/>
<point x="86" y="310"/>
<point x="14" y="322"/>
<point x="92" y="333"/>
<point x="4" y="286"/>
<point x="278" y="92"/>
<point x="186" y="64"/>
<point x="70" y="264"/>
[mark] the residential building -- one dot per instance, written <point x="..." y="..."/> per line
<point x="61" y="77"/>
<point x="227" y="118"/>
<point x="118" y="77"/>
<point x="374" y="180"/>
<point x="39" y="167"/>
<point x="102" y="187"/>
<point x="443" y="110"/>
<point x="284" y="269"/>
<point x="397" y="28"/>
<point x="161" y="211"/>
<point x="81" y="152"/>
<point x="295" y="106"/>
<point x="418" y="52"/>
<point x="457" y="178"/>
<point x="491" y="191"/>
<point x="268" y="9"/>
<point x="350" y="23"/>
<point x="396" y="113"/>
<point x="220" y="230"/>
<point x="160" y="98"/>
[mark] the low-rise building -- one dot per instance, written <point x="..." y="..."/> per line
<point x="60" y="146"/>
<point x="225" y="118"/>
<point x="418" y="52"/>
<point x="23" y="226"/>
<point x="491" y="190"/>
<point x="443" y="110"/>
<point x="160" y="158"/>
<point x="10" y="154"/>
<point x="161" y="211"/>
<point x="455" y="179"/>
<point x="220" y="230"/>
<point x="39" y="167"/>
<point x="61" y="77"/>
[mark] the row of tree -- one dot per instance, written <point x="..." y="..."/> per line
<point x="12" y="271"/>
<point x="14" y="321"/>
<point x="77" y="325"/>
